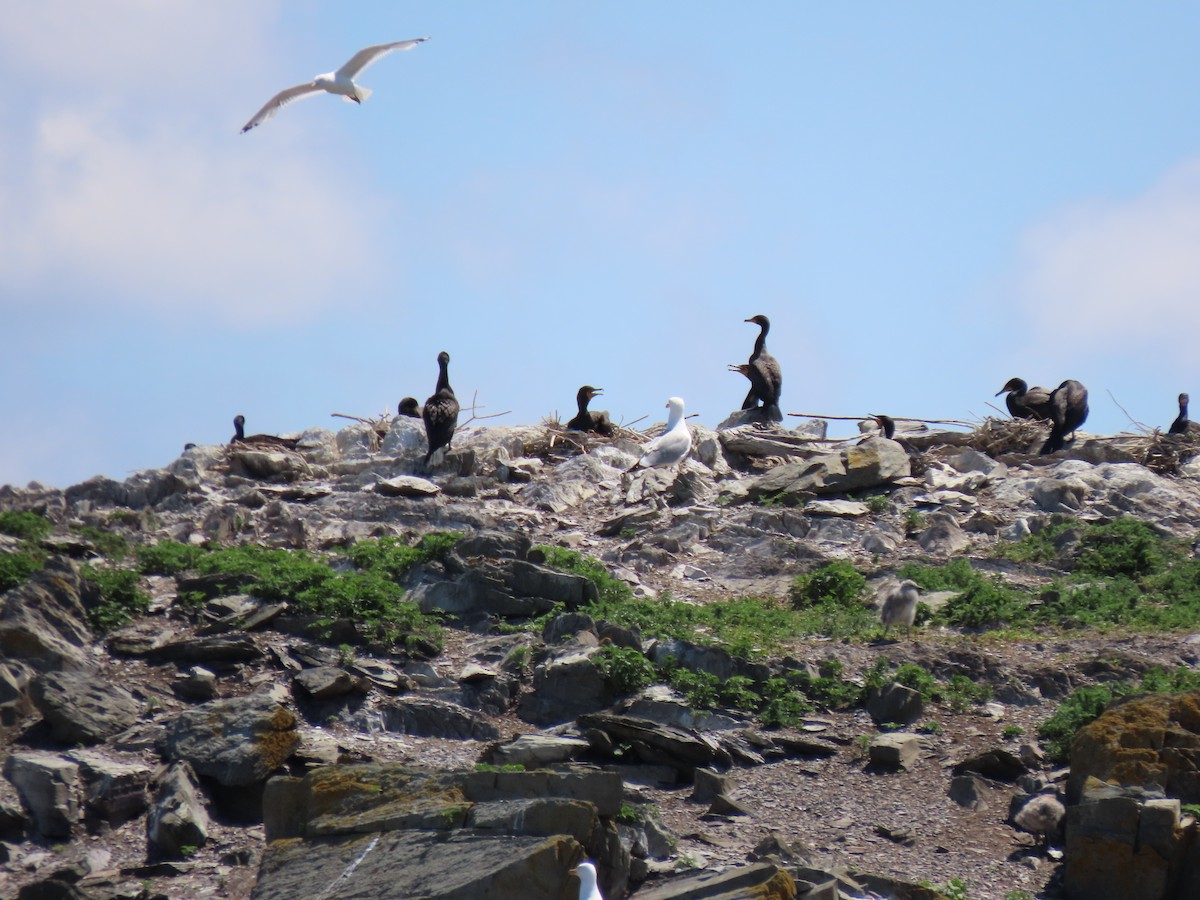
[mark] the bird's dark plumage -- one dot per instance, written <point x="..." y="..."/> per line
<point x="887" y="425"/>
<point x="586" y="420"/>
<point x="441" y="410"/>
<point x="1068" y="410"/>
<point x="409" y="407"/>
<point x="1025" y="402"/>
<point x="240" y="437"/>
<point x="766" y="378"/>
<point x="1182" y="424"/>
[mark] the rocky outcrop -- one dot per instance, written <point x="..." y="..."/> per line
<point x="82" y="709"/>
<point x="395" y="831"/>
<point x="1151" y="740"/>
<point x="237" y="742"/>
<point x="43" y="623"/>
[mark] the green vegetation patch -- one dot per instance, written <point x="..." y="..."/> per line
<point x="121" y="597"/>
<point x="17" y="566"/>
<point x="27" y="526"/>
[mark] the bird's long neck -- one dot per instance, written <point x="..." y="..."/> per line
<point x="1183" y="405"/>
<point x="443" y="382"/>
<point x="239" y="429"/>
<point x="582" y="401"/>
<point x="674" y="418"/>
<point x="761" y="343"/>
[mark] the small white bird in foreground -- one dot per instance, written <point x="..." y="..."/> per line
<point x="587" y="882"/>
<point x="339" y="82"/>
<point x="672" y="445"/>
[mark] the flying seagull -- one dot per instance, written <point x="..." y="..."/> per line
<point x="339" y="82"/>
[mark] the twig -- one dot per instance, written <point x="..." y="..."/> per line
<point x="1132" y="421"/>
<point x="474" y="416"/>
<point x="372" y="421"/>
<point x="957" y="422"/>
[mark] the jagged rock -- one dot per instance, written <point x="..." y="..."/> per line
<point x="114" y="790"/>
<point x="894" y="751"/>
<point x="700" y="658"/>
<point x="43" y="622"/>
<point x="1125" y="845"/>
<point x="429" y="717"/>
<point x="564" y="687"/>
<point x="405" y="437"/>
<point x="659" y="703"/>
<point x="236" y="742"/>
<point x="574" y="481"/>
<point x="178" y="822"/>
<point x="707" y="784"/>
<point x="215" y="649"/>
<point x="198" y="683"/>
<point x="724" y="805"/>
<point x="494" y="545"/>
<point x="896" y="703"/>
<point x="655" y="744"/>
<point x="845" y="509"/>
<point x="50" y="788"/>
<point x="324" y="682"/>
<point x="942" y="536"/>
<point x="531" y="580"/>
<point x="1151" y="739"/>
<point x="81" y="708"/>
<point x="15" y="704"/>
<point x="566" y="626"/>
<point x="762" y="881"/>
<point x="968" y="791"/>
<point x="411" y="832"/>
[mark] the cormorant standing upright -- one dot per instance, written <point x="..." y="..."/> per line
<point x="1068" y="410"/>
<point x="441" y="410"/>
<point x="590" y="421"/>
<point x="766" y="378"/>
<point x="1182" y="425"/>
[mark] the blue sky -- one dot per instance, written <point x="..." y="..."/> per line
<point x="926" y="199"/>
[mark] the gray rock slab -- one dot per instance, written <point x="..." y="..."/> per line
<point x="43" y="622"/>
<point x="429" y="717"/>
<point x="894" y="703"/>
<point x="324" y="682"/>
<point x="237" y="742"/>
<point x="178" y="822"/>
<point x="50" y="788"/>
<point x="81" y="708"/>
<point x="114" y="789"/>
<point x="757" y="880"/>
<point x="536" y="750"/>
<point x="406" y="486"/>
<point x="895" y="751"/>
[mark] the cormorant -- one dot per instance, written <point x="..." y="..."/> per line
<point x="590" y="421"/>
<point x="899" y="606"/>
<point x="409" y="407"/>
<point x="441" y="410"/>
<point x="1183" y="425"/>
<point x="239" y="437"/>
<point x="766" y="378"/>
<point x="672" y="445"/>
<point x="1068" y="410"/>
<point x="1025" y="402"/>
<point x="887" y="425"/>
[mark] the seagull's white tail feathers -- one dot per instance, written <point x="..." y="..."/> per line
<point x="362" y="93"/>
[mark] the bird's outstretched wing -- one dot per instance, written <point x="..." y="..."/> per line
<point x="280" y="100"/>
<point x="365" y="57"/>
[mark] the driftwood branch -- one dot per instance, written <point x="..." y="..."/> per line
<point x="960" y="423"/>
<point x="474" y="415"/>
<point x="1141" y="426"/>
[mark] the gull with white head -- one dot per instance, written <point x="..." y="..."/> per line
<point x="338" y="82"/>
<point x="588" y="890"/>
<point x="672" y="445"/>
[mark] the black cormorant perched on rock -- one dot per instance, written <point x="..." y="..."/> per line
<point x="409" y="407"/>
<point x="590" y="421"/>
<point x="887" y="425"/>
<point x="1182" y="424"/>
<point x="240" y="436"/>
<point x="766" y="378"/>
<point x="1068" y="410"/>
<point x="441" y="410"/>
<point x="1024" y="402"/>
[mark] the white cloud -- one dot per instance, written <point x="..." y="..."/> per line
<point x="1118" y="273"/>
<point x="124" y="181"/>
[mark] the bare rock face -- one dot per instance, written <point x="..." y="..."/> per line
<point x="81" y="708"/>
<point x="50" y="789"/>
<point x="396" y="831"/>
<point x="874" y="461"/>
<point x="43" y="623"/>
<point x="238" y="742"/>
<point x="1151" y="740"/>
<point x="178" y="820"/>
<point x="761" y="880"/>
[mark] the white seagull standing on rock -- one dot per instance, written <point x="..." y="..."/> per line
<point x="672" y="445"/>
<point x="339" y="82"/>
<point x="587" y="882"/>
